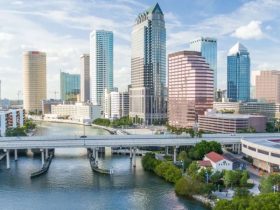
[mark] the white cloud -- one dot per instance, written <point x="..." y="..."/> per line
<point x="17" y="2"/>
<point x="251" y="31"/>
<point x="5" y="36"/>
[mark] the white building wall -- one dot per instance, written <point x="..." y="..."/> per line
<point x="78" y="112"/>
<point x="115" y="105"/>
<point x="2" y="124"/>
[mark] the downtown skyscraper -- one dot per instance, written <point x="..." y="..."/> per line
<point x="69" y="87"/>
<point x="34" y="81"/>
<point x="148" y="67"/>
<point x="238" y="73"/>
<point x="101" y="65"/>
<point x="85" y="78"/>
<point x="208" y="48"/>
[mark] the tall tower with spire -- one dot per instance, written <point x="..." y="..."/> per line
<point x="238" y="73"/>
<point x="148" y="67"/>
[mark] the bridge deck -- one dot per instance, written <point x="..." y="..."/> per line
<point x="41" y="142"/>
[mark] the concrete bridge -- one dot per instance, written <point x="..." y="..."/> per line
<point x="132" y="141"/>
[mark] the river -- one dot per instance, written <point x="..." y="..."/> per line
<point x="70" y="183"/>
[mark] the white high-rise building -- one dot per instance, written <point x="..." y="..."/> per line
<point x="13" y="118"/>
<point x="116" y="104"/>
<point x="34" y="81"/>
<point x="101" y="65"/>
<point x="107" y="104"/>
<point x="85" y="78"/>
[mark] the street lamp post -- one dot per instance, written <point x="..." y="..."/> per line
<point x="207" y="177"/>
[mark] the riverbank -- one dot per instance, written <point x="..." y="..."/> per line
<point x="172" y="174"/>
<point x="59" y="121"/>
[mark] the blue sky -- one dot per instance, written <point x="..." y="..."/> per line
<point x="61" y="28"/>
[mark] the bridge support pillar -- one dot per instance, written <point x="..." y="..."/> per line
<point x="16" y="155"/>
<point x="42" y="157"/>
<point x="96" y="155"/>
<point x="175" y="154"/>
<point x="130" y="153"/>
<point x="47" y="153"/>
<point x="239" y="148"/>
<point x="166" y="150"/>
<point x="134" y="157"/>
<point x="8" y="158"/>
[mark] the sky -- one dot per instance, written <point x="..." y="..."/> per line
<point x="61" y="28"/>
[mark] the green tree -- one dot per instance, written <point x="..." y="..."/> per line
<point x="193" y="169"/>
<point x="231" y="178"/>
<point x="187" y="187"/>
<point x="267" y="183"/>
<point x="241" y="192"/>
<point x="15" y="132"/>
<point x="149" y="162"/>
<point x="168" y="171"/>
<point x="244" y="179"/>
<point x="191" y="132"/>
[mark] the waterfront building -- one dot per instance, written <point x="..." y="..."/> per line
<point x="85" y="78"/>
<point x="190" y="84"/>
<point x="101" y="65"/>
<point x="124" y="104"/>
<point x="148" y="67"/>
<point x="231" y="123"/>
<point x="254" y="74"/>
<point x="116" y="104"/>
<point x="270" y="110"/>
<point x="232" y="107"/>
<point x="80" y="112"/>
<point x="238" y="73"/>
<point x="69" y="87"/>
<point x="12" y="118"/>
<point x="34" y="81"/>
<point x="107" y="104"/>
<point x="268" y="86"/>
<point x="46" y="105"/>
<point x="216" y="161"/>
<point x="264" y="152"/>
<point x="221" y="95"/>
<point x="208" y="48"/>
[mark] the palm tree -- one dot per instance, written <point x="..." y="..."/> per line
<point x="277" y="124"/>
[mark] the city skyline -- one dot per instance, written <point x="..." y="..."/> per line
<point x="63" y="34"/>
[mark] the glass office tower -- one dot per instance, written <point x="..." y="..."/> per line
<point x="148" y="67"/>
<point x="208" y="48"/>
<point x="101" y="65"/>
<point x="238" y="73"/>
<point x="69" y="87"/>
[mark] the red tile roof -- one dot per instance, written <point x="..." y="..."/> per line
<point x="214" y="157"/>
<point x="204" y="163"/>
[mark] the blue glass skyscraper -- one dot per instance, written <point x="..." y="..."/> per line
<point x="101" y="65"/>
<point x="208" y="48"/>
<point x="238" y="73"/>
<point x="69" y="86"/>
